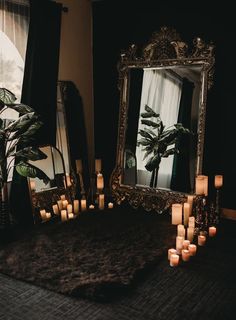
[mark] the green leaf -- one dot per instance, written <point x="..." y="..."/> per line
<point x="30" y="153"/>
<point x="153" y="163"/>
<point x="21" y="108"/>
<point x="143" y="142"/>
<point x="21" y="122"/>
<point x="145" y="134"/>
<point x="170" y="152"/>
<point x="6" y="96"/>
<point x="150" y="123"/>
<point x="28" y="170"/>
<point x="150" y="110"/>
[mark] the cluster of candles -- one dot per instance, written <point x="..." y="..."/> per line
<point x="182" y="217"/>
<point x="201" y="184"/>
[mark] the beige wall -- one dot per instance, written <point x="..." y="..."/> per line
<point x="76" y="58"/>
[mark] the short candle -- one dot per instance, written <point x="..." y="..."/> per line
<point x="212" y="231"/>
<point x="186" y="243"/>
<point x="110" y="205"/>
<point x="70" y="215"/>
<point x="32" y="185"/>
<point x="48" y="215"/>
<point x="179" y="244"/>
<point x="192" y="249"/>
<point x="174" y="260"/>
<point x="201" y="240"/>
<point x="83" y="204"/>
<point x="101" y="201"/>
<point x="181" y="230"/>
<point x="190" y="233"/>
<point x="55" y="209"/>
<point x="59" y="203"/>
<point x="63" y="215"/>
<point x="218" y="181"/>
<point x="91" y="207"/>
<point x="76" y="206"/>
<point x="63" y="197"/>
<point x="185" y="255"/>
<point x="64" y="204"/>
<point x="171" y="251"/>
<point x="69" y="208"/>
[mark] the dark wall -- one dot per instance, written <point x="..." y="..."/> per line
<point x="117" y="25"/>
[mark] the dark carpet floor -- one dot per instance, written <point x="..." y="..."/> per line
<point x="201" y="289"/>
<point x="97" y="256"/>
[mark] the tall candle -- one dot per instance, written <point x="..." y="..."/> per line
<point x="190" y="201"/>
<point x="100" y="182"/>
<point x="181" y="230"/>
<point x="186" y="213"/>
<point x="171" y="251"/>
<point x="179" y="243"/>
<point x="79" y="166"/>
<point x="59" y="203"/>
<point x="83" y="204"/>
<point x="55" y="209"/>
<point x="98" y="165"/>
<point x="191" y="222"/>
<point x="212" y="231"/>
<point x="64" y="204"/>
<point x="69" y="208"/>
<point x="176" y="213"/>
<point x="76" y="206"/>
<point x="199" y="185"/>
<point x="185" y="255"/>
<point x="218" y="181"/>
<point x="201" y="240"/>
<point x="174" y="260"/>
<point x="192" y="249"/>
<point x="190" y="233"/>
<point x="101" y="201"/>
<point x="63" y="215"/>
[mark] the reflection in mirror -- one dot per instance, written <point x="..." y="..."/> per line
<point x="43" y="195"/>
<point x="172" y="79"/>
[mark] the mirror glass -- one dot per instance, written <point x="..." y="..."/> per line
<point x="163" y="93"/>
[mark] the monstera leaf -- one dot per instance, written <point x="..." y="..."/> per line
<point x="6" y="97"/>
<point x="26" y="169"/>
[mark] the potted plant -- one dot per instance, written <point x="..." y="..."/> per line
<point x="17" y="147"/>
<point x="158" y="143"/>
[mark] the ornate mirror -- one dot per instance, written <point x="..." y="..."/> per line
<point x="163" y="93"/>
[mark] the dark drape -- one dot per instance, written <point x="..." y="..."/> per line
<point x="39" y="88"/>
<point x="181" y="167"/>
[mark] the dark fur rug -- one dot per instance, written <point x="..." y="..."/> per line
<point x="97" y="255"/>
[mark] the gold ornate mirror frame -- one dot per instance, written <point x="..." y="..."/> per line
<point x="165" y="49"/>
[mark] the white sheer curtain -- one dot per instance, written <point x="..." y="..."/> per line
<point x="161" y="91"/>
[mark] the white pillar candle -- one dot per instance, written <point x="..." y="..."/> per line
<point x="171" y="251"/>
<point x="63" y="197"/>
<point x="201" y="240"/>
<point x="63" y="215"/>
<point x="43" y="214"/>
<point x="70" y="215"/>
<point x="186" y="243"/>
<point x="76" y="206"/>
<point x="191" y="222"/>
<point x="186" y="213"/>
<point x="181" y="230"/>
<point x="83" y="204"/>
<point x="100" y="182"/>
<point x="174" y="260"/>
<point x="205" y="184"/>
<point x="32" y="185"/>
<point x="176" y="213"/>
<point x="185" y="255"/>
<point x="212" y="231"/>
<point x="79" y="166"/>
<point x="179" y="244"/>
<point x="55" y="209"/>
<point x="64" y="204"/>
<point x="91" y="207"/>
<point x="59" y="203"/>
<point x="98" y="165"/>
<point x="190" y="201"/>
<point x="101" y="201"/>
<point x="192" y="249"/>
<point x="218" y="181"/>
<point x="199" y="185"/>
<point x="110" y="205"/>
<point x="68" y="180"/>
<point x="69" y="208"/>
<point x="48" y="215"/>
<point x="190" y="233"/>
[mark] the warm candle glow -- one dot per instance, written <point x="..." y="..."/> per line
<point x="48" y="215"/>
<point x="68" y="180"/>
<point x="59" y="203"/>
<point x="69" y="208"/>
<point x="110" y="205"/>
<point x="170" y="252"/>
<point x="70" y="215"/>
<point x="100" y="182"/>
<point x="212" y="231"/>
<point x="186" y="213"/>
<point x="63" y="215"/>
<point x="201" y="240"/>
<point x="174" y="260"/>
<point x="205" y="184"/>
<point x="98" y="165"/>
<point x="176" y="213"/>
<point x="199" y="185"/>
<point x="186" y="243"/>
<point x="191" y="222"/>
<point x="55" y="209"/>
<point x="32" y="185"/>
<point x="91" y="207"/>
<point x="185" y="255"/>
<point x="64" y="204"/>
<point x="218" y="181"/>
<point x="43" y="214"/>
<point x="190" y="233"/>
<point x="192" y="249"/>
<point x="181" y="230"/>
<point x="79" y="166"/>
<point x="63" y="197"/>
<point x="190" y="199"/>
<point x="179" y="243"/>
<point x="83" y="204"/>
<point x="101" y="201"/>
<point x="76" y="206"/>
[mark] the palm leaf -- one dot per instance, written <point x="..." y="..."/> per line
<point x="145" y="134"/>
<point x="28" y="170"/>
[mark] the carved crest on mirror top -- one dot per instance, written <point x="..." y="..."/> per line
<point x="165" y="49"/>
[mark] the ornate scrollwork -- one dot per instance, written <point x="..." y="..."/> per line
<point x="165" y="49"/>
